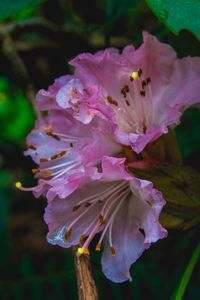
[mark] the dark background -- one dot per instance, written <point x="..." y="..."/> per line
<point x="29" y="267"/>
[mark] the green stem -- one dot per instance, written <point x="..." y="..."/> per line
<point x="187" y="274"/>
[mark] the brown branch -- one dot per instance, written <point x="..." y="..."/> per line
<point x="32" y="23"/>
<point x="19" y="68"/>
<point x="86" y="285"/>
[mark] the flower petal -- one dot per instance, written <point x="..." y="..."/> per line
<point x="136" y="226"/>
<point x="46" y="99"/>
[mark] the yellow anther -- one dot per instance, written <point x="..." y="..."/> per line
<point x="82" y="250"/>
<point x="18" y="185"/>
<point x="134" y="75"/>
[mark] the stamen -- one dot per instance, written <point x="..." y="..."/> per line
<point x="127" y="102"/>
<point x="76" y="207"/>
<point x="148" y="80"/>
<point x="101" y="220"/>
<point x="113" y="251"/>
<point x="134" y="76"/>
<point x="142" y="93"/>
<point x="112" y="101"/>
<point x="47" y="174"/>
<point x="87" y="204"/>
<point x="18" y="185"/>
<point x="125" y="90"/>
<point x="94" y="198"/>
<point x="82" y="238"/>
<point x="35" y="171"/>
<point x="59" y="173"/>
<point x="73" y="92"/>
<point x="117" y="193"/>
<point x="49" y="132"/>
<point x="113" y="214"/>
<point x="59" y="155"/>
<point x="68" y="234"/>
<point x="142" y="232"/>
<point x="43" y="160"/>
<point x="68" y="163"/>
<point x="149" y="202"/>
<point x="78" y="218"/>
<point x="144" y="83"/>
<point x="82" y="250"/>
<point x="98" y="247"/>
<point x="139" y="72"/>
<point x="91" y="235"/>
<point x="31" y="147"/>
<point x="66" y="137"/>
<point x="86" y="251"/>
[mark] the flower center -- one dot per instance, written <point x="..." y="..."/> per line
<point x="60" y="163"/>
<point x="110" y="201"/>
<point x="130" y="102"/>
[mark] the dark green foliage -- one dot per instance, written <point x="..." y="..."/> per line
<point x="16" y="116"/>
<point x="178" y="14"/>
<point x="10" y="7"/>
<point x="29" y="267"/>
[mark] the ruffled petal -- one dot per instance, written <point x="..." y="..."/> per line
<point x="113" y="169"/>
<point x="136" y="226"/>
<point x="75" y="213"/>
<point x="46" y="99"/>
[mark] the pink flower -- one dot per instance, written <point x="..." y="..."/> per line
<point x="67" y="151"/>
<point x="83" y="175"/>
<point x="113" y="100"/>
<point x="143" y="91"/>
<point x="123" y="209"/>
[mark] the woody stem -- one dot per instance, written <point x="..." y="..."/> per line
<point x="86" y="285"/>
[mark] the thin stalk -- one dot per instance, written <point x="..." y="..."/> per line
<point x="86" y="285"/>
<point x="187" y="274"/>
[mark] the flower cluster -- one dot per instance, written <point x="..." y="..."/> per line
<point x="97" y="122"/>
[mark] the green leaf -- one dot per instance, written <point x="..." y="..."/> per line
<point x="10" y="7"/>
<point x="181" y="190"/>
<point x="178" y="14"/>
<point x="188" y="132"/>
<point x="16" y="116"/>
<point x="116" y="8"/>
<point x="187" y="274"/>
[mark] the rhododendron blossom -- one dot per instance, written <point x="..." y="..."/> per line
<point x="65" y="151"/>
<point x="124" y="209"/>
<point x="96" y="123"/>
<point x="145" y="89"/>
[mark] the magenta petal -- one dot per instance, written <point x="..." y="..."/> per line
<point x="46" y="99"/>
<point x="113" y="169"/>
<point x="60" y="213"/>
<point x="145" y="110"/>
<point x="135" y="227"/>
<point x="139" y="141"/>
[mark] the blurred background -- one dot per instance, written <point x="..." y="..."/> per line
<point x="36" y="42"/>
